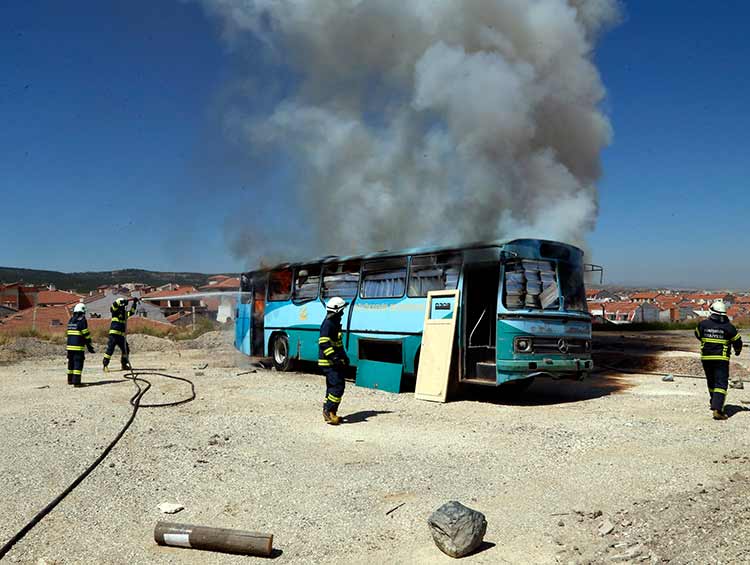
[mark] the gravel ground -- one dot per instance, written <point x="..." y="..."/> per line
<point x="252" y="452"/>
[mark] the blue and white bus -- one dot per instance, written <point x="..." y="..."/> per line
<point x="522" y="310"/>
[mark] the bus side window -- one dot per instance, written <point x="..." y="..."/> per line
<point x="280" y="285"/>
<point x="384" y="278"/>
<point x="341" y="279"/>
<point x="434" y="272"/>
<point x="306" y="282"/>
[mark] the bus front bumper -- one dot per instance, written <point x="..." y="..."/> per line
<point x="557" y="368"/>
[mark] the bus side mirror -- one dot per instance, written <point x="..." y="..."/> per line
<point x="590" y="268"/>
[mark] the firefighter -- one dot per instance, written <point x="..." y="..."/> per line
<point x="717" y="336"/>
<point x="332" y="359"/>
<point x="79" y="340"/>
<point x="118" y="332"/>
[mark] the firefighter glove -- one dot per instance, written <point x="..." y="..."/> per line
<point x="90" y="348"/>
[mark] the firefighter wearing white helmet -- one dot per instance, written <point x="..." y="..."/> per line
<point x="332" y="358"/>
<point x="718" y="338"/>
<point x="78" y="341"/>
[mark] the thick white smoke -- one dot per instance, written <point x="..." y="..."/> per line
<point x="428" y="121"/>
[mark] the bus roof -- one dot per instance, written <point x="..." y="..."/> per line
<point x="409" y="251"/>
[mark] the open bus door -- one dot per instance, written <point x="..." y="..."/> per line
<point x="242" y="325"/>
<point x="248" y="335"/>
<point x="481" y="283"/>
<point x="257" y="322"/>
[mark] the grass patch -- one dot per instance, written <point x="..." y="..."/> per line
<point x="202" y="326"/>
<point x="12" y="335"/>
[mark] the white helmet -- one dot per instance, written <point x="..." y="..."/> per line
<point x="335" y="305"/>
<point x="719" y="308"/>
<point x="79" y="308"/>
<point x="120" y="301"/>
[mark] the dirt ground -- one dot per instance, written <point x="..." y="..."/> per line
<point x="553" y="471"/>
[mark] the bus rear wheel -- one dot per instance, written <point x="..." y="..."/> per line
<point x="282" y="361"/>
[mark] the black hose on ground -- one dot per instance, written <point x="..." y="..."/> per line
<point x="135" y="375"/>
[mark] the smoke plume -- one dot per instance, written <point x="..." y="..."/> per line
<point x="430" y="122"/>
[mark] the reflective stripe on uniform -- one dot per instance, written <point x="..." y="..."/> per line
<point x="74" y="332"/>
<point x="714" y="340"/>
<point x="117" y="332"/>
<point x="85" y="332"/>
<point x="75" y="348"/>
<point x="735" y="338"/>
<point x="322" y="340"/>
<point x="324" y="363"/>
<point x="329" y="351"/>
<point x="714" y="358"/>
<point x="74" y="372"/>
<point x="335" y="399"/>
<point x="720" y="390"/>
<point x="107" y="356"/>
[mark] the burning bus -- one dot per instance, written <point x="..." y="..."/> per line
<point x="521" y="314"/>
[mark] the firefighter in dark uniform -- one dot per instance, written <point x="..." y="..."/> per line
<point x="79" y="340"/>
<point x="332" y="359"/>
<point x="717" y="336"/>
<point x="118" y="331"/>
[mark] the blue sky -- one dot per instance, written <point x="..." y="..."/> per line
<point x="113" y="152"/>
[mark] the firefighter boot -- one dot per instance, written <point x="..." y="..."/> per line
<point x="335" y="418"/>
<point x="719" y="415"/>
<point x="330" y="418"/>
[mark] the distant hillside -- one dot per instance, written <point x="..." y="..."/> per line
<point x="84" y="282"/>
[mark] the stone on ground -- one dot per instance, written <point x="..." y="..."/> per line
<point x="457" y="529"/>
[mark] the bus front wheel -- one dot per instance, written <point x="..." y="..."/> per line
<point x="282" y="361"/>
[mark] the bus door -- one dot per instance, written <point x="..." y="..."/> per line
<point x="257" y="320"/>
<point x="480" y="284"/>
<point x="242" y="328"/>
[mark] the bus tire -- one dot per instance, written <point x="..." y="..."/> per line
<point x="282" y="360"/>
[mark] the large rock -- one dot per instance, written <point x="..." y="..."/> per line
<point x="456" y="529"/>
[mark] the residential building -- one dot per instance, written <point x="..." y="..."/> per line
<point x="625" y="312"/>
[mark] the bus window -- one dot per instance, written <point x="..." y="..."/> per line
<point x="531" y="284"/>
<point x="306" y="282"/>
<point x="434" y="272"/>
<point x="341" y="280"/>
<point x="384" y="278"/>
<point x="571" y="283"/>
<point x="280" y="285"/>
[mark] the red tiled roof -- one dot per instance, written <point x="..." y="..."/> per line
<point x="707" y="297"/>
<point x="54" y="320"/>
<point x="218" y="278"/>
<point x="645" y="295"/>
<point x="49" y="319"/>
<point x="225" y="285"/>
<point x="56" y="297"/>
<point x="160" y="293"/>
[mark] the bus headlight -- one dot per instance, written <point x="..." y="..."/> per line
<point x="523" y="344"/>
<point x="587" y="346"/>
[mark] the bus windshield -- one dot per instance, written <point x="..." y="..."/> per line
<point x="540" y="285"/>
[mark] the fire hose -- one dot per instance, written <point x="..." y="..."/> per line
<point x="136" y="376"/>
